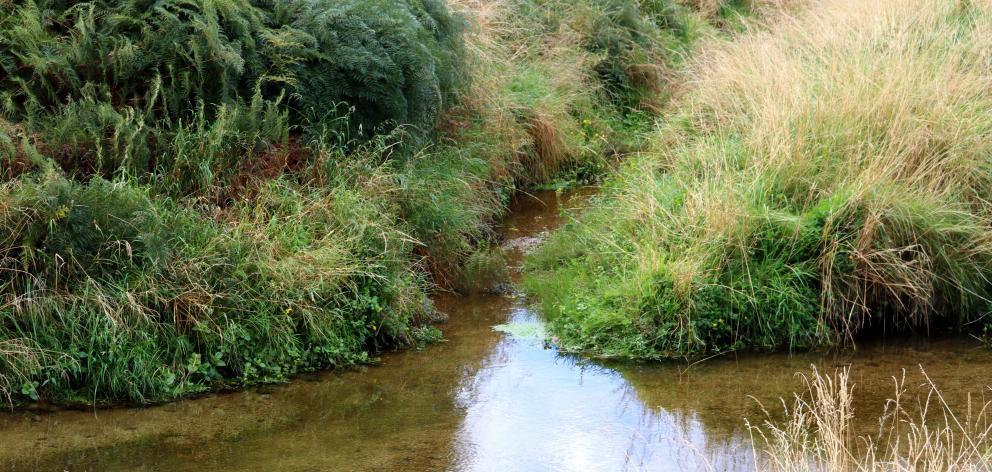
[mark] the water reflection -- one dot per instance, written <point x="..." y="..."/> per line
<point x="480" y="401"/>
<point x="529" y="408"/>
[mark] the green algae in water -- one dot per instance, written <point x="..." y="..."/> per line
<point x="531" y="330"/>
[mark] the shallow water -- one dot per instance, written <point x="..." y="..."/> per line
<point x="483" y="400"/>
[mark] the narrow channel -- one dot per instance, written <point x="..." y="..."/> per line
<point x="483" y="400"/>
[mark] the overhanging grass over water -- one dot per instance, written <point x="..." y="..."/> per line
<point x="825" y="176"/>
<point x="203" y="195"/>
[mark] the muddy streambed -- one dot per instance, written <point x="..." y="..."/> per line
<point x="483" y="400"/>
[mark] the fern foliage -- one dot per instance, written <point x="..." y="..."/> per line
<point x="106" y="85"/>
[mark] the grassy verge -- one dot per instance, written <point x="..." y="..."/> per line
<point x="818" y="178"/>
<point x="207" y="195"/>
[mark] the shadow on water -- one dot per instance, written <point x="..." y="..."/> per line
<point x="481" y="401"/>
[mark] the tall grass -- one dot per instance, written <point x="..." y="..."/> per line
<point x="817" y="432"/>
<point x="109" y="294"/>
<point x="206" y="195"/>
<point x="537" y="111"/>
<point x="822" y="176"/>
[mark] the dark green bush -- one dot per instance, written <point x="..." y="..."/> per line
<point x="393" y="61"/>
<point x="106" y="85"/>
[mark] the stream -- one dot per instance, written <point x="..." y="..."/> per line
<point x="485" y="400"/>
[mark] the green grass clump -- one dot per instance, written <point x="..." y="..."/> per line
<point x="819" y="179"/>
<point x="115" y="296"/>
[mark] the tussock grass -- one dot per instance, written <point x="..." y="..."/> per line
<point x="819" y="177"/>
<point x="817" y="433"/>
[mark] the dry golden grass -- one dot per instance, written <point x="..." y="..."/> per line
<point x="928" y="436"/>
<point x="884" y="102"/>
<point x="819" y="173"/>
<point x="527" y="85"/>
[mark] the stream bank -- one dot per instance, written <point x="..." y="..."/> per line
<point x="482" y="400"/>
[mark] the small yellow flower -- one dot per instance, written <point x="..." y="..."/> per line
<point x="60" y="213"/>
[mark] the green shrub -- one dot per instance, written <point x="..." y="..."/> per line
<point x="107" y="85"/>
<point x="630" y="38"/>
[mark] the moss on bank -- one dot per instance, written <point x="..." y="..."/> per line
<point x="820" y="178"/>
